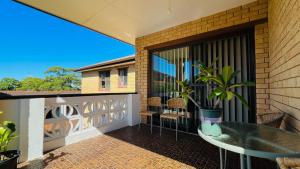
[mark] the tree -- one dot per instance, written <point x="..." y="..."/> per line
<point x="58" y="78"/>
<point x="9" y="84"/>
<point x="31" y="83"/>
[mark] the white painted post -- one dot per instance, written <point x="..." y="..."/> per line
<point x="31" y="137"/>
<point x="133" y="109"/>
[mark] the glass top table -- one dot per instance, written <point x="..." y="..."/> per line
<point x="254" y="140"/>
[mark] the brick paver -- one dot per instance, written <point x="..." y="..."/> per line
<point x="130" y="148"/>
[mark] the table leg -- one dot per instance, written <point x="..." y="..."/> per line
<point x="242" y="164"/>
<point x="225" y="152"/>
<point x="248" y="162"/>
<point x="221" y="158"/>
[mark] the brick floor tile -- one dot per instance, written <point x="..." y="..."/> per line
<point x="130" y="148"/>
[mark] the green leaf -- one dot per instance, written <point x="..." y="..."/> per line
<point x="2" y="130"/>
<point x="185" y="90"/>
<point x="216" y="80"/>
<point x="212" y="95"/>
<point x="204" y="78"/>
<point x="229" y="95"/>
<point x="220" y="78"/>
<point x="218" y="91"/>
<point x="10" y="125"/>
<point x="241" y="98"/>
<point x="226" y="73"/>
<point x="242" y="84"/>
<point x="223" y="95"/>
<point x="234" y="74"/>
<point x="6" y="134"/>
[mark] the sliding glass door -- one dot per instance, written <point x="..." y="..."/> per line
<point x="168" y="66"/>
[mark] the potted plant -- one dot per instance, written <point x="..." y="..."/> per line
<point x="8" y="158"/>
<point x="219" y="87"/>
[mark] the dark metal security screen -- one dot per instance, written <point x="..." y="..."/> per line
<point x="170" y="65"/>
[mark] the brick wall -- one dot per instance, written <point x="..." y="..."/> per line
<point x="284" y="27"/>
<point x="242" y="14"/>
<point x="262" y="68"/>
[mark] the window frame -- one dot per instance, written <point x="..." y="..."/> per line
<point x="106" y="80"/>
<point x="120" y="85"/>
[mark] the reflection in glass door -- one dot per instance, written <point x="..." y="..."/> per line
<point x="168" y="67"/>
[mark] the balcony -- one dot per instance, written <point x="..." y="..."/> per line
<point x="130" y="147"/>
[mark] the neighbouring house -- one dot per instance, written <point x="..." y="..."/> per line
<point x="113" y="76"/>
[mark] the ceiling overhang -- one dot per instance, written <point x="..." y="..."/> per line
<point x="126" y="20"/>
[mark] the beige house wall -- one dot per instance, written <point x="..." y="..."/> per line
<point x="243" y="14"/>
<point x="284" y="24"/>
<point x="90" y="82"/>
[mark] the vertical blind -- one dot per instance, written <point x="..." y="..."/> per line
<point x="233" y="51"/>
<point x="169" y="66"/>
<point x="177" y="64"/>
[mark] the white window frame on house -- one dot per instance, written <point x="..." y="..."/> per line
<point x="104" y="80"/>
<point x="123" y="77"/>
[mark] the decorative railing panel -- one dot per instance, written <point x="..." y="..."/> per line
<point x="68" y="116"/>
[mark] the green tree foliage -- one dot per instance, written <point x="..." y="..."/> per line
<point x="56" y="79"/>
<point x="9" y="84"/>
<point x="31" y="84"/>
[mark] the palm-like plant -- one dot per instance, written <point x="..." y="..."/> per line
<point x="220" y="86"/>
<point x="7" y="134"/>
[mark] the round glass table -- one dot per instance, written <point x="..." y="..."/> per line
<point x="254" y="140"/>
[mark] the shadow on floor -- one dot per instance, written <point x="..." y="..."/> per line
<point x="42" y="163"/>
<point x="189" y="149"/>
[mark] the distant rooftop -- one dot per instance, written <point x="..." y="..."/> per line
<point x="35" y="93"/>
<point x="119" y="61"/>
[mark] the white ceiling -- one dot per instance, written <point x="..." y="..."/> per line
<point x="128" y="19"/>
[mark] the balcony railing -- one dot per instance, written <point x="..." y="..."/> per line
<point x="45" y="123"/>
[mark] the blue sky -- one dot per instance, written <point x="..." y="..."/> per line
<point x="32" y="41"/>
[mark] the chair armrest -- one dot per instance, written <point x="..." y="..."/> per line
<point x="263" y="114"/>
<point x="270" y="119"/>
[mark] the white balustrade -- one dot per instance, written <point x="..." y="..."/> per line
<point x="71" y="119"/>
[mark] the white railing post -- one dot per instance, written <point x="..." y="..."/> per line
<point x="31" y="134"/>
<point x="133" y="109"/>
<point x="129" y="109"/>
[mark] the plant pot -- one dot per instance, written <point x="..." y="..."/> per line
<point x="11" y="159"/>
<point x="210" y="122"/>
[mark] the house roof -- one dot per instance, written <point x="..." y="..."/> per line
<point x="35" y="93"/>
<point x="110" y="63"/>
<point x="127" y="20"/>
